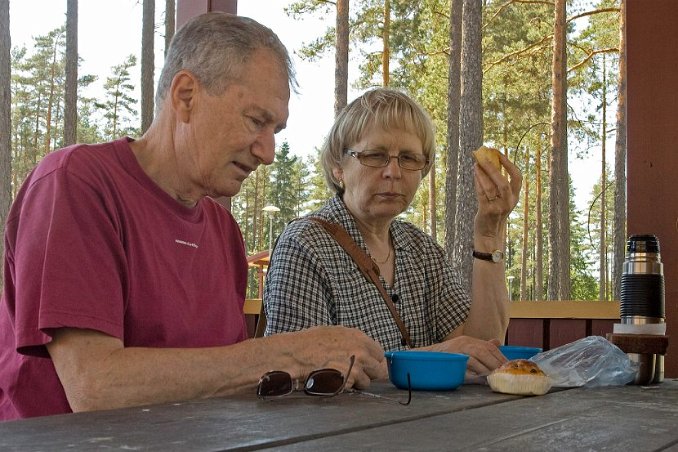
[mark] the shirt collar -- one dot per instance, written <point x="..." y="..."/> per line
<point x="338" y="212"/>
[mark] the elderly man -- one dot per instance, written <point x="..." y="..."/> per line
<point x="124" y="280"/>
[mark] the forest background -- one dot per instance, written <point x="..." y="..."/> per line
<point x="411" y="47"/>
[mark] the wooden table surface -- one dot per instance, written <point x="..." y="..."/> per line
<point x="632" y="418"/>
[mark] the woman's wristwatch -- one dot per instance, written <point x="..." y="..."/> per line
<point x="495" y="256"/>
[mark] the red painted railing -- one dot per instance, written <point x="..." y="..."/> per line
<point x="549" y="324"/>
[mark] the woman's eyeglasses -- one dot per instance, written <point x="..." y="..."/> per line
<point x="321" y="382"/>
<point x="379" y="159"/>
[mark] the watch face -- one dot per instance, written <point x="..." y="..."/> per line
<point x="497" y="256"/>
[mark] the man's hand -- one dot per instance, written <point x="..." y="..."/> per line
<point x="98" y="372"/>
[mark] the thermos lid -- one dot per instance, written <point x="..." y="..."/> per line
<point x="643" y="243"/>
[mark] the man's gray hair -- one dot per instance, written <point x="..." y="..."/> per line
<point x="214" y="47"/>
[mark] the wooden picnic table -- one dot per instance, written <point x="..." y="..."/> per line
<point x="471" y="418"/>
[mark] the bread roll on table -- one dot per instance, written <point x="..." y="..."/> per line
<point x="521" y="377"/>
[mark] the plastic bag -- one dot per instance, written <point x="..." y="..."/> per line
<point x="592" y="362"/>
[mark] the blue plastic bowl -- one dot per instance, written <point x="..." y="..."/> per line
<point x="518" y="351"/>
<point x="429" y="371"/>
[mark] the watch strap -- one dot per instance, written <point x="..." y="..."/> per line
<point x="494" y="256"/>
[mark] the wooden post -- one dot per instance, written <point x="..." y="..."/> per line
<point x="652" y="164"/>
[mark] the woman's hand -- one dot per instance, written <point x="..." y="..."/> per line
<point x="497" y="195"/>
<point x="484" y="356"/>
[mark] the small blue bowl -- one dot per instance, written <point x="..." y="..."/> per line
<point x="518" y="351"/>
<point x="429" y="371"/>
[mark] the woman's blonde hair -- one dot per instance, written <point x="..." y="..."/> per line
<point x="386" y="108"/>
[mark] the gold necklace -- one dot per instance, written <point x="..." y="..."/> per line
<point x="387" y="257"/>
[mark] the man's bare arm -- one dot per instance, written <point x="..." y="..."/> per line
<point x="98" y="372"/>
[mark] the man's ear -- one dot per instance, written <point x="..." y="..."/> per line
<point x="183" y="91"/>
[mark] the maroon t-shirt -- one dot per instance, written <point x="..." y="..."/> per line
<point x="92" y="242"/>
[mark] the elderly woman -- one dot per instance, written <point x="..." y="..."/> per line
<point x="374" y="158"/>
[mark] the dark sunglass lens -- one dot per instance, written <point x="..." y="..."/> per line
<point x="324" y="382"/>
<point x="274" y="384"/>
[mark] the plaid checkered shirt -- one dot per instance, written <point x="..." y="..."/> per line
<point x="313" y="281"/>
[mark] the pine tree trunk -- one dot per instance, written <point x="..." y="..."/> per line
<point x="256" y="214"/>
<point x="246" y="225"/>
<point x="36" y="130"/>
<point x="170" y="22"/>
<point x="539" y="234"/>
<point x="526" y="231"/>
<point x="619" y="240"/>
<point x="341" y="57"/>
<point x="5" y="121"/>
<point x="386" y="54"/>
<point x="453" y="102"/>
<point x="559" y="221"/>
<point x="470" y="135"/>
<point x="50" y="102"/>
<point x="147" y="64"/>
<point x="432" y="201"/>
<point x="71" y="88"/>
<point x="115" y="118"/>
<point x="602" y="288"/>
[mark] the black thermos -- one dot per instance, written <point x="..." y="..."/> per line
<point x="642" y="297"/>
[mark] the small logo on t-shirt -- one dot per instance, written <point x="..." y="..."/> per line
<point x="183" y="242"/>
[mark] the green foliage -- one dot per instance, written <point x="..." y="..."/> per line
<point x="322" y="45"/>
<point x="584" y="282"/>
<point x="119" y="105"/>
<point x="516" y="79"/>
<point x="37" y="90"/>
<point x="285" y="185"/>
<point x="300" y="8"/>
<point x="318" y="191"/>
<point x="597" y="47"/>
<point x="38" y="79"/>
<point x="516" y="103"/>
<point x="287" y="189"/>
<point x="517" y="40"/>
<point x="592" y="223"/>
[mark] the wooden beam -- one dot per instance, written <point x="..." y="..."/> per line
<point x="187" y="9"/>
<point x="564" y="309"/>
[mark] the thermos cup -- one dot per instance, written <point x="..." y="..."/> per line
<point x="642" y="300"/>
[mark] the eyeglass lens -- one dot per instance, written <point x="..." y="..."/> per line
<point x="322" y="382"/>
<point x="377" y="159"/>
<point x="327" y="382"/>
<point x="275" y="384"/>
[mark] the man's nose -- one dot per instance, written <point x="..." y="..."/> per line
<point x="264" y="148"/>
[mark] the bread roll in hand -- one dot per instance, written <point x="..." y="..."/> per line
<point x="488" y="155"/>
<point x="521" y="377"/>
